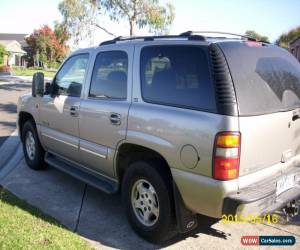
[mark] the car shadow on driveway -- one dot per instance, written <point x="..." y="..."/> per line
<point x="8" y="126"/>
<point x="93" y="214"/>
<point x="103" y="220"/>
<point x="204" y="227"/>
<point x="3" y="139"/>
<point x="8" y="108"/>
<point x="15" y="86"/>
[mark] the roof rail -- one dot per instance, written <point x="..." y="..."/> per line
<point x="152" y="38"/>
<point x="249" y="38"/>
<point x="190" y="35"/>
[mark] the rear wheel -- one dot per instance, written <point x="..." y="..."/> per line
<point x="147" y="195"/>
<point x="33" y="151"/>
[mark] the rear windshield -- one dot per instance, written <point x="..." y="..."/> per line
<point x="177" y="76"/>
<point x="266" y="79"/>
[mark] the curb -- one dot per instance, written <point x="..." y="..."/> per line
<point x="8" y="148"/>
<point x="12" y="163"/>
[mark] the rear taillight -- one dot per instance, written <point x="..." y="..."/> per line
<point x="226" y="156"/>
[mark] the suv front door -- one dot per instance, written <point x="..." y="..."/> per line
<point x="104" y="110"/>
<point x="59" y="110"/>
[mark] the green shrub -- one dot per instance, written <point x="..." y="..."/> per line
<point x="3" y="52"/>
<point x="53" y="65"/>
<point x="35" y="68"/>
<point x="22" y="71"/>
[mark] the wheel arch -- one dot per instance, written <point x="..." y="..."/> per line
<point x="24" y="117"/>
<point x="130" y="152"/>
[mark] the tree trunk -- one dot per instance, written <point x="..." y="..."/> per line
<point x="132" y="27"/>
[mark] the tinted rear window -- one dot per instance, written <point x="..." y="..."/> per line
<point x="266" y="79"/>
<point x="177" y="76"/>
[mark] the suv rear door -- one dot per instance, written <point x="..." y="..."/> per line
<point x="267" y="84"/>
<point x="104" y="110"/>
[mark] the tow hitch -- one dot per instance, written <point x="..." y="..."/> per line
<point x="291" y="210"/>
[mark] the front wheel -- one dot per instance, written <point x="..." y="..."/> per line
<point x="33" y="151"/>
<point x="147" y="196"/>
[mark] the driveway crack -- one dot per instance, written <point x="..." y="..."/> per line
<point x="81" y="205"/>
<point x="283" y="230"/>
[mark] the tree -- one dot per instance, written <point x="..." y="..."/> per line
<point x="47" y="46"/>
<point x="140" y="13"/>
<point x="80" y="16"/>
<point x="257" y="36"/>
<point x="3" y="52"/>
<point x="61" y="33"/>
<point x="285" y="39"/>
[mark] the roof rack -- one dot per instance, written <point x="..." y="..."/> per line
<point x="152" y="38"/>
<point x="249" y="38"/>
<point x="190" y="35"/>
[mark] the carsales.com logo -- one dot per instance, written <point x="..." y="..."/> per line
<point x="268" y="240"/>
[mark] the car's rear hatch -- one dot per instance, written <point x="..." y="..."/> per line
<point x="267" y="86"/>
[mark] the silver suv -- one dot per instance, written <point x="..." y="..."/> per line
<point x="182" y="125"/>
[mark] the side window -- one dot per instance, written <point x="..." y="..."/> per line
<point x="70" y="77"/>
<point x="109" y="79"/>
<point x="177" y="76"/>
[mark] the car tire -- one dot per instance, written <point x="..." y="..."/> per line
<point x="33" y="151"/>
<point x="148" y="199"/>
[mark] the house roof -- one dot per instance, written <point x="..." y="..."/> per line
<point x="7" y="42"/>
<point x="20" y="38"/>
<point x="12" y="46"/>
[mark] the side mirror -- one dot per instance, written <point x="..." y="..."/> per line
<point x="38" y="84"/>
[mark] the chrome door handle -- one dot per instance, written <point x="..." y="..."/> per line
<point x="115" y="119"/>
<point x="74" y="111"/>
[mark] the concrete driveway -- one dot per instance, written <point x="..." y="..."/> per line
<point x="100" y="219"/>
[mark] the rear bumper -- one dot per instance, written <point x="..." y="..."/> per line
<point x="204" y="195"/>
<point x="257" y="201"/>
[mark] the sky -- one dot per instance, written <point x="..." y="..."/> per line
<point x="267" y="17"/>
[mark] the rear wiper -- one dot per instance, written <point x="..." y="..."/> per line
<point x="289" y="109"/>
<point x="285" y="110"/>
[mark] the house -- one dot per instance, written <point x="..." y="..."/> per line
<point x="294" y="48"/>
<point x="17" y="47"/>
<point x="15" y="51"/>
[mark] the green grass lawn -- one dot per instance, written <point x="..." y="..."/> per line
<point x="18" y="71"/>
<point x="25" y="227"/>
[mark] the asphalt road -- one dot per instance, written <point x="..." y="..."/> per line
<point x="10" y="90"/>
